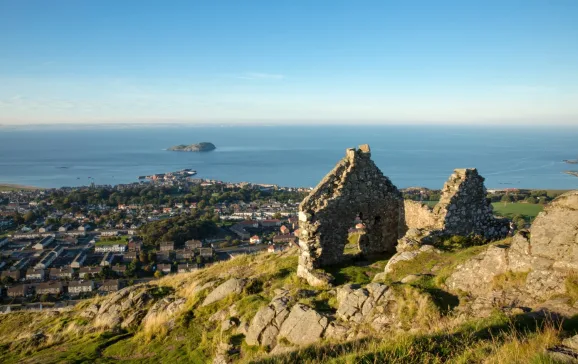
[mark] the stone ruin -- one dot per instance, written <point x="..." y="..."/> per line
<point x="463" y="209"/>
<point x="354" y="188"/>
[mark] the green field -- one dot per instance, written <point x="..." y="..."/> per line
<point x="123" y="240"/>
<point x="13" y="187"/>
<point x="517" y="208"/>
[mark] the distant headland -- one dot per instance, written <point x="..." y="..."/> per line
<point x="199" y="147"/>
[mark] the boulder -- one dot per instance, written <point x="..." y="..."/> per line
<point x="232" y="286"/>
<point x="265" y="326"/>
<point x="303" y="325"/>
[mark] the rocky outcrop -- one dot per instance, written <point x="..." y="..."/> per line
<point x="354" y="188"/>
<point x="383" y="307"/>
<point x="406" y="256"/>
<point x="128" y="307"/>
<point x="534" y="266"/>
<point x="232" y="286"/>
<point x="299" y="325"/>
<point x="303" y="325"/>
<point x="266" y="324"/>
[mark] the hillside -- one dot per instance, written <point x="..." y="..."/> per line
<point x="408" y="285"/>
<point x="166" y="321"/>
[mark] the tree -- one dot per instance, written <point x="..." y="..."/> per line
<point x="531" y="200"/>
<point x="158" y="274"/>
<point x="277" y="215"/>
<point x="143" y="257"/>
<point x="29" y="217"/>
<point x="7" y="280"/>
<point x="506" y="198"/>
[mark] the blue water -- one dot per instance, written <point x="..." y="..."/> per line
<point x="288" y="155"/>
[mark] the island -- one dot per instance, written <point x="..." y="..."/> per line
<point x="199" y="147"/>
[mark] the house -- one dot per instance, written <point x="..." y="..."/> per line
<point x="35" y="274"/>
<point x="193" y="244"/>
<point x="15" y="274"/>
<point x="84" y="228"/>
<point x="166" y="246"/>
<point x="129" y="256"/>
<point x="60" y="273"/>
<point x="108" y="233"/>
<point x="165" y="268"/>
<point x="78" y="287"/>
<point x="107" y="260"/>
<point x="86" y="272"/>
<point x="166" y="256"/>
<point x="206" y="252"/>
<point x="240" y="231"/>
<point x="3" y="241"/>
<point x="119" y="269"/>
<point x="51" y="287"/>
<point x="183" y="254"/>
<point x="255" y="240"/>
<point x="116" y="248"/>
<point x="46" y="229"/>
<point x="64" y="228"/>
<point x="21" y="290"/>
<point x="45" y="242"/>
<point x="274" y="248"/>
<point x="270" y="223"/>
<point x="111" y="285"/>
<point x="49" y="258"/>
<point x="284" y="230"/>
<point x="78" y="260"/>
<point x="134" y="246"/>
<point x="187" y="267"/>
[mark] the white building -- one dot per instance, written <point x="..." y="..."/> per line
<point x="76" y="287"/>
<point x="116" y="248"/>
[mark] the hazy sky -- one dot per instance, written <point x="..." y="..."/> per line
<point x="88" y="61"/>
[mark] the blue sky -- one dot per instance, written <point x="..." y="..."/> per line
<point x="389" y="62"/>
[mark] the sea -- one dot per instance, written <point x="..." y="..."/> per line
<point x="293" y="156"/>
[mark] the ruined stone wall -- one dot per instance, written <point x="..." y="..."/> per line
<point x="463" y="208"/>
<point x="419" y="216"/>
<point x="355" y="187"/>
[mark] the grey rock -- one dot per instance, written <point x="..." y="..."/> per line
<point x="232" y="286"/>
<point x="266" y="323"/>
<point x="303" y="326"/>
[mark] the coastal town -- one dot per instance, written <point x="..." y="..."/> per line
<point x="60" y="245"/>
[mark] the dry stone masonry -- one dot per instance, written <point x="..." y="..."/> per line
<point x="354" y="188"/>
<point x="464" y="210"/>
